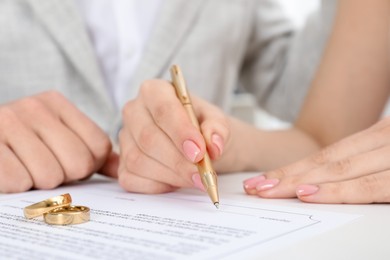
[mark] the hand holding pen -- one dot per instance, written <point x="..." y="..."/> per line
<point x="159" y="143"/>
<point x="207" y="174"/>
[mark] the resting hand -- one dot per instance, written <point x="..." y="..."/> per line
<point x="158" y="143"/>
<point x="45" y="141"/>
<point x="353" y="170"/>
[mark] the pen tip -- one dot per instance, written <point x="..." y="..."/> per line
<point x="216" y="204"/>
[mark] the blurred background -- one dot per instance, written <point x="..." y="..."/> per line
<point x="244" y="105"/>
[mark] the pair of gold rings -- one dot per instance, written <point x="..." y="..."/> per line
<point x="58" y="211"/>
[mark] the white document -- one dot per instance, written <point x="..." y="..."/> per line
<point x="179" y="225"/>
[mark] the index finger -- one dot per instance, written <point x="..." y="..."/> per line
<point x="367" y="189"/>
<point x="361" y="142"/>
<point x="171" y="117"/>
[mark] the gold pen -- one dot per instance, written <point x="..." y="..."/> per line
<point x="206" y="171"/>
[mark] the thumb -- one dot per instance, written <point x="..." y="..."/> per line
<point x="110" y="167"/>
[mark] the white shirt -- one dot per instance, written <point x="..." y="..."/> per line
<point x="119" y="30"/>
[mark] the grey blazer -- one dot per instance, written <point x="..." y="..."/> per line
<point x="221" y="45"/>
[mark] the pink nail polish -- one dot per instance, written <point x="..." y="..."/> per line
<point x="306" y="190"/>
<point x="252" y="182"/>
<point x="191" y="150"/>
<point x="218" y="142"/>
<point x="267" y="184"/>
<point x="197" y="182"/>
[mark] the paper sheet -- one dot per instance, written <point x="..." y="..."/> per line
<point x="168" y="226"/>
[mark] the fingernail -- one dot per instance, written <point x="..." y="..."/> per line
<point x="252" y="182"/>
<point x="198" y="182"/>
<point x="218" y="142"/>
<point x="267" y="184"/>
<point x="306" y="190"/>
<point x="191" y="150"/>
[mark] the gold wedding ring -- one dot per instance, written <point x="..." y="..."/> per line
<point x="58" y="211"/>
<point x="67" y="215"/>
<point x="45" y="206"/>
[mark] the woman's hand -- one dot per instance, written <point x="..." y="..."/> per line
<point x="353" y="170"/>
<point x="160" y="146"/>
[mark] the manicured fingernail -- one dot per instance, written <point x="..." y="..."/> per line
<point x="218" y="142"/>
<point x="306" y="190"/>
<point x="198" y="182"/>
<point x="191" y="150"/>
<point x="252" y="182"/>
<point x="267" y="184"/>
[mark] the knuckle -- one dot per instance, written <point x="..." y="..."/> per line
<point x="30" y="102"/>
<point x="133" y="159"/>
<point x="221" y="126"/>
<point x="225" y="127"/>
<point x="225" y="123"/>
<point x="122" y="179"/>
<point x="180" y="165"/>
<point x="146" y="86"/>
<point x="342" y="167"/>
<point x="162" y="111"/>
<point x="322" y="157"/>
<point x="53" y="95"/>
<point x="23" y="185"/>
<point x="8" y="118"/>
<point x="278" y="173"/>
<point x="49" y="181"/>
<point x="129" y="182"/>
<point x="147" y="138"/>
<point x="16" y="186"/>
<point x="33" y="106"/>
<point x="335" y="190"/>
<point x="369" y="186"/>
<point x="80" y="168"/>
<point x="102" y="148"/>
<point x="128" y="109"/>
